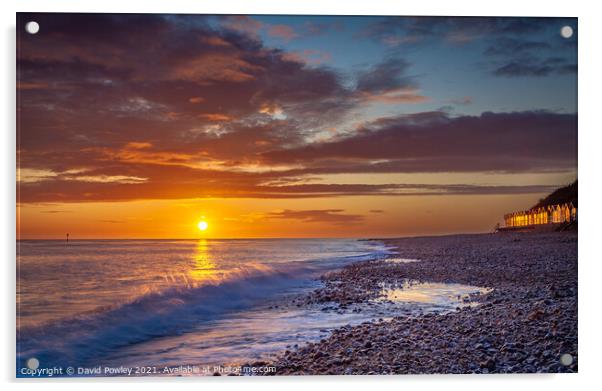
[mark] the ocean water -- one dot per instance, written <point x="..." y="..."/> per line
<point x="131" y="302"/>
<point x="168" y="303"/>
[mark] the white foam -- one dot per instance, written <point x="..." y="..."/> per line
<point x="401" y="260"/>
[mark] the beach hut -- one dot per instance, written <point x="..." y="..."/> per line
<point x="573" y="212"/>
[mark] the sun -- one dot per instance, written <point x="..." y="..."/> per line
<point x="203" y="225"/>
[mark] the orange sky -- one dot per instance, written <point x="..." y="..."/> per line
<point x="362" y="217"/>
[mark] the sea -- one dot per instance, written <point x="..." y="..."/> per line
<point x="101" y="307"/>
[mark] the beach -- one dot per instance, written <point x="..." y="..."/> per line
<point x="489" y="303"/>
<point x="526" y="322"/>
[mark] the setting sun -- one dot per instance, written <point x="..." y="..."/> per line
<point x="203" y="225"/>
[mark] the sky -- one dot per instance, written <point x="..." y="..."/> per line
<point x="140" y="126"/>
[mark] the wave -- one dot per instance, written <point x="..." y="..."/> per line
<point x="86" y="338"/>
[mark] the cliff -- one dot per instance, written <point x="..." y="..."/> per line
<point x="560" y="196"/>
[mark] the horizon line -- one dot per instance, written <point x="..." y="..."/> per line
<point x="269" y="238"/>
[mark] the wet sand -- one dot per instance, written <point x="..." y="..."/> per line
<point x="525" y="324"/>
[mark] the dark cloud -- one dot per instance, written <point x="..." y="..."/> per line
<point x="435" y="142"/>
<point x="536" y="67"/>
<point x="385" y="76"/>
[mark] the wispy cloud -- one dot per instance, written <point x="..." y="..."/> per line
<point x="334" y="216"/>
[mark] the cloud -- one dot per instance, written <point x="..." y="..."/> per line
<point x="105" y="178"/>
<point x="390" y="74"/>
<point x="25" y="175"/>
<point x="215" y="117"/>
<point x="282" y="31"/>
<point x="436" y="142"/>
<point x="388" y="82"/>
<point x="37" y="176"/>
<point x="401" y="95"/>
<point x="196" y="99"/>
<point x="242" y="24"/>
<point x="216" y="41"/>
<point x="405" y="189"/>
<point x="308" y="56"/>
<point x="536" y="67"/>
<point x="138" y="145"/>
<point x="334" y="216"/>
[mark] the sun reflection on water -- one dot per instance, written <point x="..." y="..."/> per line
<point x="204" y="268"/>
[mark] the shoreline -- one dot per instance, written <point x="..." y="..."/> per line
<point x="524" y="325"/>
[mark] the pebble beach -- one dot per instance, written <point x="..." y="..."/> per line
<point x="526" y="322"/>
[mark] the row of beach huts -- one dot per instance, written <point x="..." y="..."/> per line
<point x="551" y="214"/>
